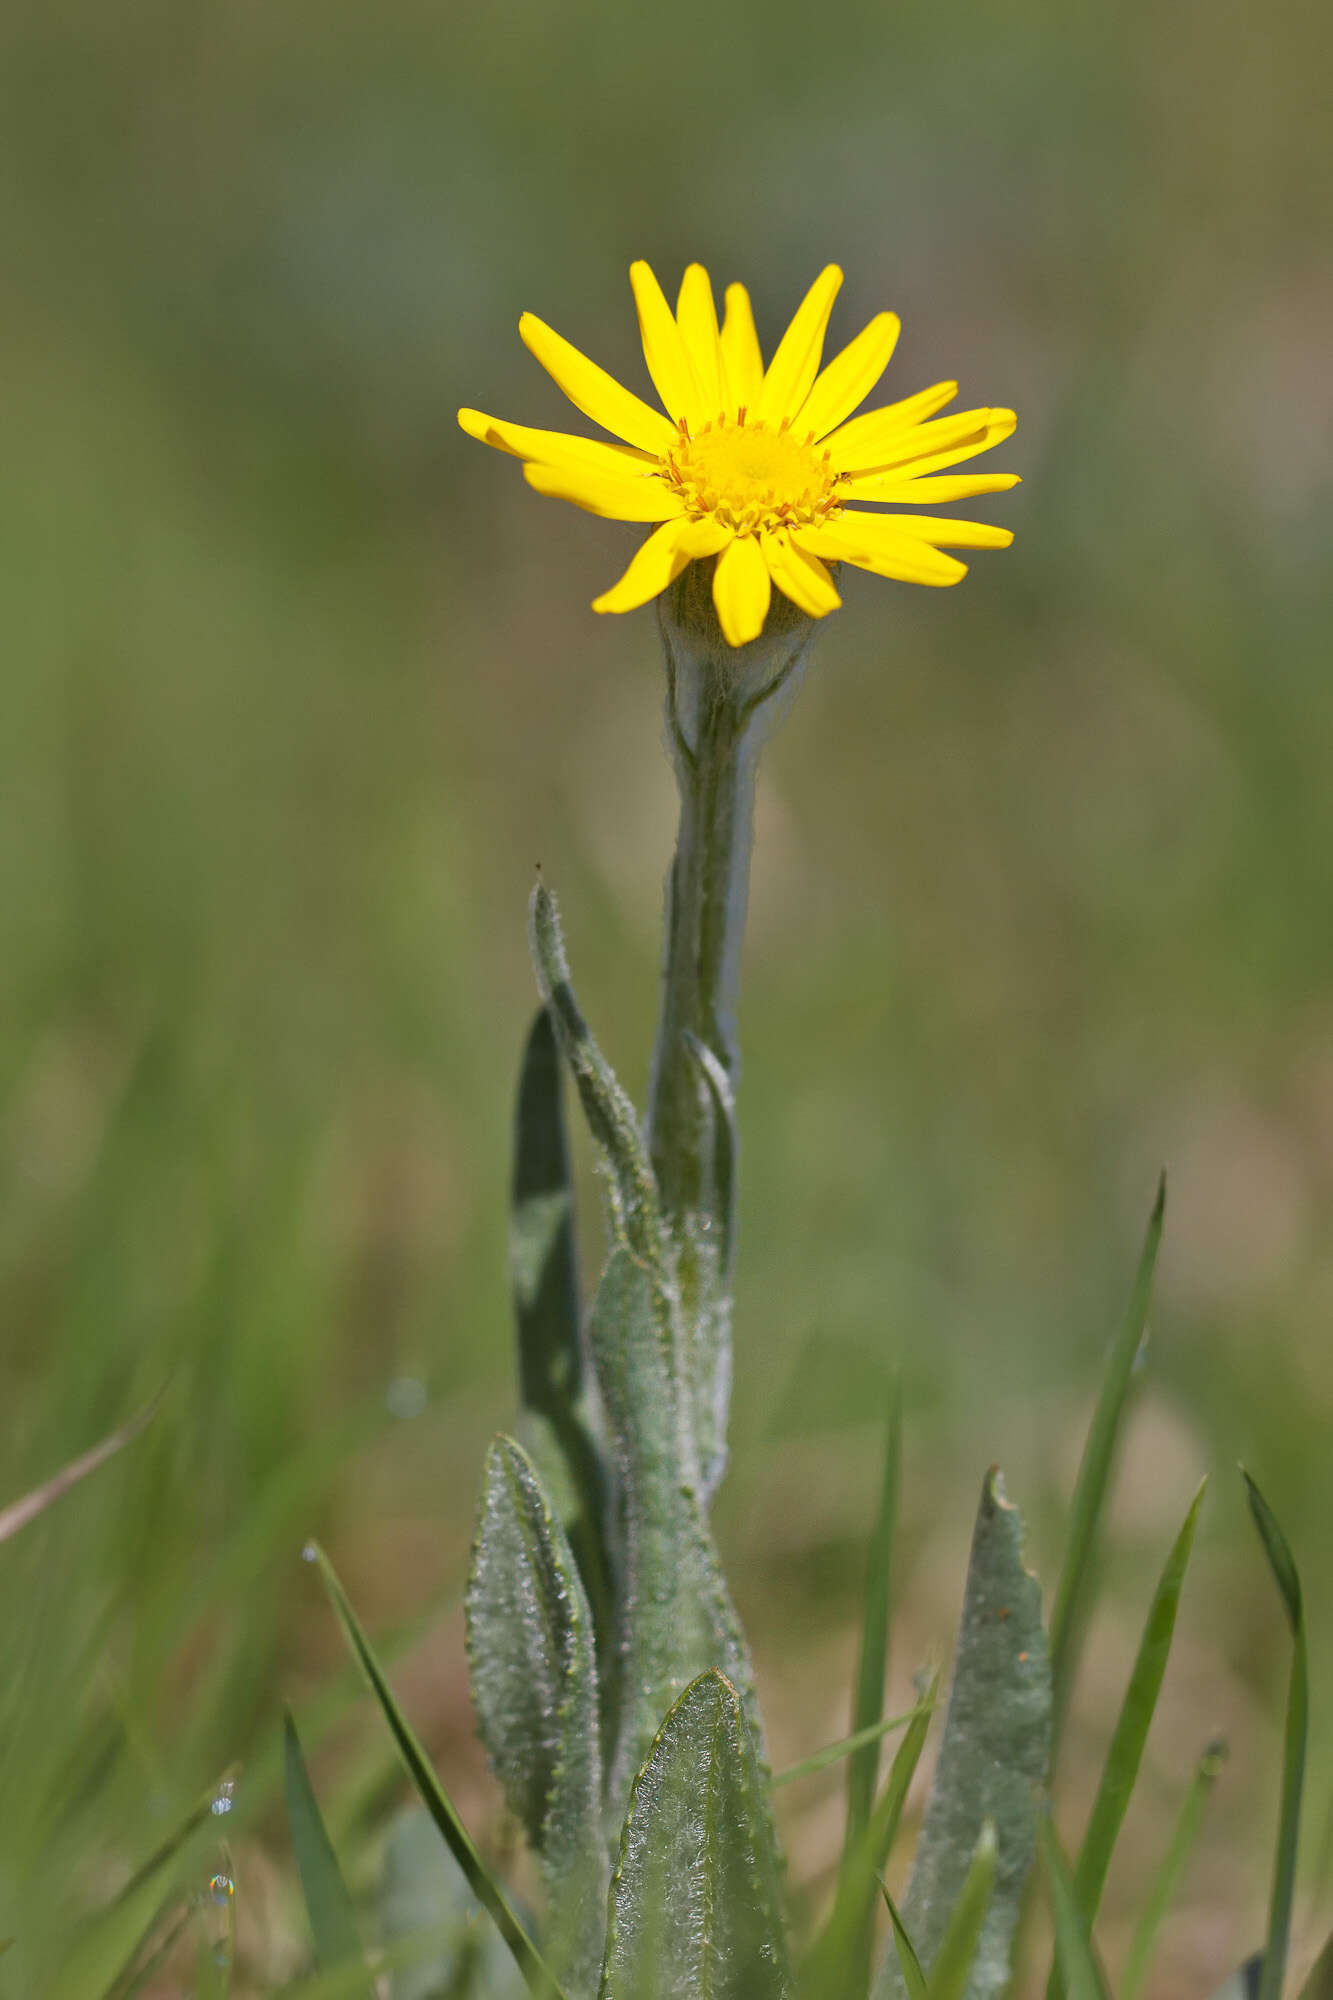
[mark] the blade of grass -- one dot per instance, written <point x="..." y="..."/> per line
<point x="1319" y="1979"/>
<point x="833" y="1753"/>
<point x="839" y="1961"/>
<point x="115" y="1937"/>
<point x="536" y="1974"/>
<point x="1288" y="1582"/>
<point x="1168" y="1877"/>
<point x="958" y="1946"/>
<point x="1094" y="1473"/>
<point x="914" y="1979"/>
<point x="868" y="1702"/>
<point x="18" y="1514"/>
<point x="1074" y="1954"/>
<point x="328" y="1905"/>
<point x="1131" y="1731"/>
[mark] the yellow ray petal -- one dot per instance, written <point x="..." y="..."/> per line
<point x="590" y="389"/>
<point x="874" y="543"/>
<point x="940" y="531"/>
<point x="556" y="447"/>
<point x="855" y="445"/>
<point x="663" y="349"/>
<point x="740" y="349"/>
<point x="849" y="377"/>
<point x="796" y="362"/>
<point x="618" y="499"/>
<point x="927" y="447"/>
<point x="903" y="489"/>
<point x="802" y="578"/>
<point x="742" y="588"/>
<point x="660" y="560"/>
<point x="696" y="316"/>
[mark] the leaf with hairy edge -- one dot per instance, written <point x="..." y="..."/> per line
<point x="328" y="1905"/>
<point x="993" y="1753"/>
<point x="534" y="1683"/>
<point x="1074" y="1954"/>
<point x="837" y="1964"/>
<point x="695" y="1901"/>
<point x="557" y="1396"/>
<point x="703" y="1271"/>
<point x="676" y="1618"/>
<point x="536" y="1973"/>
<point x="1283" y="1565"/>
<point x="1167" y="1879"/>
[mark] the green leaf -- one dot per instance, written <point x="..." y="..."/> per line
<point x="958" y="1948"/>
<point x="695" y="1902"/>
<point x="19" y="1512"/>
<point x="536" y="1974"/>
<point x="556" y="1395"/>
<point x="914" y="1979"/>
<point x="1135" y="1719"/>
<point x="114" y="1938"/>
<point x="993" y="1754"/>
<point x="1167" y="1879"/>
<point x="534" y="1683"/>
<point x="838" y="1963"/>
<point x="421" y="1887"/>
<point x="868" y="1705"/>
<point x="834" y="1753"/>
<point x="328" y="1905"/>
<point x="1283" y="1566"/>
<point x="1094" y="1473"/>
<point x="1074" y="1954"/>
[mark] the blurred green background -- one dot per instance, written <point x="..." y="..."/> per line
<point x="298" y="684"/>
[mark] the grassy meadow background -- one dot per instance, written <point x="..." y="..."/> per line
<point x="298" y="683"/>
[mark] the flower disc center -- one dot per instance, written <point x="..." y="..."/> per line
<point x="751" y="476"/>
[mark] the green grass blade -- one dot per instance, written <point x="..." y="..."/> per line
<point x="328" y="1905"/>
<point x="868" y="1703"/>
<point x="833" y="1753"/>
<point x="1168" y="1877"/>
<point x="1135" y="1719"/>
<point x="19" y="1512"/>
<point x="1074" y="1955"/>
<point x="1094" y="1473"/>
<point x="914" y="1979"/>
<point x="958" y="1947"/>
<point x="116" y="1936"/>
<point x="1283" y="1566"/>
<point x="838" y="1966"/>
<point x="536" y="1974"/>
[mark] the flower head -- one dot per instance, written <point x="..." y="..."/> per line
<point x="757" y="466"/>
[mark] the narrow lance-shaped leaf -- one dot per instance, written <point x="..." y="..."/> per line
<point x="534" y="1683"/>
<point x="1074" y="1954"/>
<point x="705" y="1231"/>
<point x="117" y="1934"/>
<point x="958" y="1947"/>
<point x="328" y="1905"/>
<point x="1131" y="1731"/>
<point x="838" y="1963"/>
<point x="556" y="1393"/>
<point x="836" y="1753"/>
<point x="1166" y="1881"/>
<point x="537" y="1975"/>
<point x="909" y="1965"/>
<point x="676" y="1619"/>
<point x="1094" y="1474"/>
<point x="1283" y="1566"/>
<point x="993" y="1754"/>
<point x="695" y="1901"/>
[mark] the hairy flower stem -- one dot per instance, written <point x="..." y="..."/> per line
<point x="722" y="703"/>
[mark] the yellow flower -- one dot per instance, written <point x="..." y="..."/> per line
<point x="757" y="466"/>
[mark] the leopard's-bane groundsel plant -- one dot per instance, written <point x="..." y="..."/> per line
<point x="610" y="1674"/>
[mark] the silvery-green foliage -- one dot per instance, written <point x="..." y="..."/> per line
<point x="422" y="1888"/>
<point x="993" y="1753"/>
<point x="534" y="1683"/>
<point x="675" y="1617"/>
<point x="695" y="1902"/>
<point x="704" y="1265"/>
